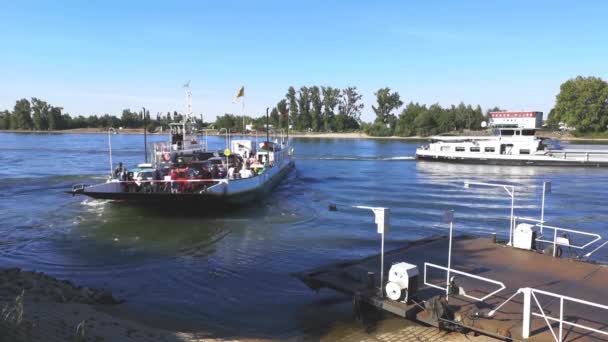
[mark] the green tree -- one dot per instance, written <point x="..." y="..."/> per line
<point x="425" y="123"/>
<point x="22" y="115"/>
<point x="387" y="102"/>
<point x="460" y="116"/>
<point x="405" y="124"/>
<point x="349" y="110"/>
<point x="56" y="118"/>
<point x="5" y="120"/>
<point x="331" y="98"/>
<point x="443" y="117"/>
<point x="316" y="114"/>
<point x="40" y="114"/>
<point x="284" y="114"/>
<point x="303" y="122"/>
<point x="293" y="106"/>
<point x="582" y="103"/>
<point x="274" y="117"/>
<point x="477" y="118"/>
<point x="226" y="121"/>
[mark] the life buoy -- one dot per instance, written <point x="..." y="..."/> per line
<point x="167" y="156"/>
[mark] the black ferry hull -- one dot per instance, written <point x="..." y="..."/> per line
<point x="205" y="200"/>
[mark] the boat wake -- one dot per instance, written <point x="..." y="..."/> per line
<point x="94" y="202"/>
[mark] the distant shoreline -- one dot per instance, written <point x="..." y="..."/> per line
<point x="134" y="131"/>
<point x="350" y="135"/>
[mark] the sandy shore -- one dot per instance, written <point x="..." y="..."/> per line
<point x="37" y="307"/>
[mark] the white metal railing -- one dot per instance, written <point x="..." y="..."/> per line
<point x="510" y="189"/>
<point x="583" y="155"/>
<point x="558" y="240"/>
<point x="469" y="275"/>
<point x="530" y="293"/>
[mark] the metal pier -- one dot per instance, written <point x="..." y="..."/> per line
<point x="543" y="298"/>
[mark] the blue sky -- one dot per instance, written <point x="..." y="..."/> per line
<point x="93" y="57"/>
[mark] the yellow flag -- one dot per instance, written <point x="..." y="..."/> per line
<point x="240" y="93"/>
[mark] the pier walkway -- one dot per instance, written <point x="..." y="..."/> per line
<point x="516" y="269"/>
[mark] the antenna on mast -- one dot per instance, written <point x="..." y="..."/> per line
<point x="188" y="101"/>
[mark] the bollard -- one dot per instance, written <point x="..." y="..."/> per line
<point x="371" y="280"/>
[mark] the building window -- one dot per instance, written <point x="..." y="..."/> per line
<point x="490" y="149"/>
<point x="475" y="149"/>
<point x="524" y="151"/>
<point x="459" y="148"/>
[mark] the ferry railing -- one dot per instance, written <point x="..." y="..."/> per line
<point x="531" y="293"/>
<point x="577" y="153"/>
<point x="561" y="240"/>
<point x="469" y="275"/>
<point x="510" y="189"/>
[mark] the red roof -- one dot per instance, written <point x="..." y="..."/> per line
<point x="514" y="114"/>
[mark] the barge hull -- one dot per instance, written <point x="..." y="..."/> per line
<point x="513" y="162"/>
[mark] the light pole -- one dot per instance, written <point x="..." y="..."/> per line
<point x="510" y="189"/>
<point x="110" y="130"/>
<point x="546" y="189"/>
<point x="382" y="221"/>
<point x="448" y="216"/>
<point x="145" y="135"/>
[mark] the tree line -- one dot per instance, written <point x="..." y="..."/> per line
<point x="308" y="109"/>
<point x="38" y="115"/>
<point x="582" y="104"/>
<point x="417" y="119"/>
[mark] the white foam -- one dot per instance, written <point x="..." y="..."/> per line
<point x="94" y="202"/>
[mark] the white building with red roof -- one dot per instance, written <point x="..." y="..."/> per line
<point x="517" y="119"/>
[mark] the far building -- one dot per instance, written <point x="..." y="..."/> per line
<point x="517" y="119"/>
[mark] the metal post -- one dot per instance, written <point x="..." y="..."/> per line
<point x="145" y="136"/>
<point x="542" y="208"/>
<point x="561" y="317"/>
<point x="381" y="218"/>
<point x="447" y="284"/>
<point x="110" y="149"/>
<point x="554" y="242"/>
<point x="512" y="217"/>
<point x="267" y="126"/>
<point x="527" y="312"/>
<point x="382" y="267"/>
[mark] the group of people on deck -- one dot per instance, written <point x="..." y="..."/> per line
<point x="192" y="176"/>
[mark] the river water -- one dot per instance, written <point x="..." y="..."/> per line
<point x="231" y="274"/>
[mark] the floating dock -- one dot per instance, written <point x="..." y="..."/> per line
<point x="499" y="291"/>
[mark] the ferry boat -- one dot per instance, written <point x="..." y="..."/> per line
<point x="194" y="176"/>
<point x="508" y="146"/>
<point x="185" y="174"/>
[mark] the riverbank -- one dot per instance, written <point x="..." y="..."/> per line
<point x="348" y="135"/>
<point x="37" y="307"/>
